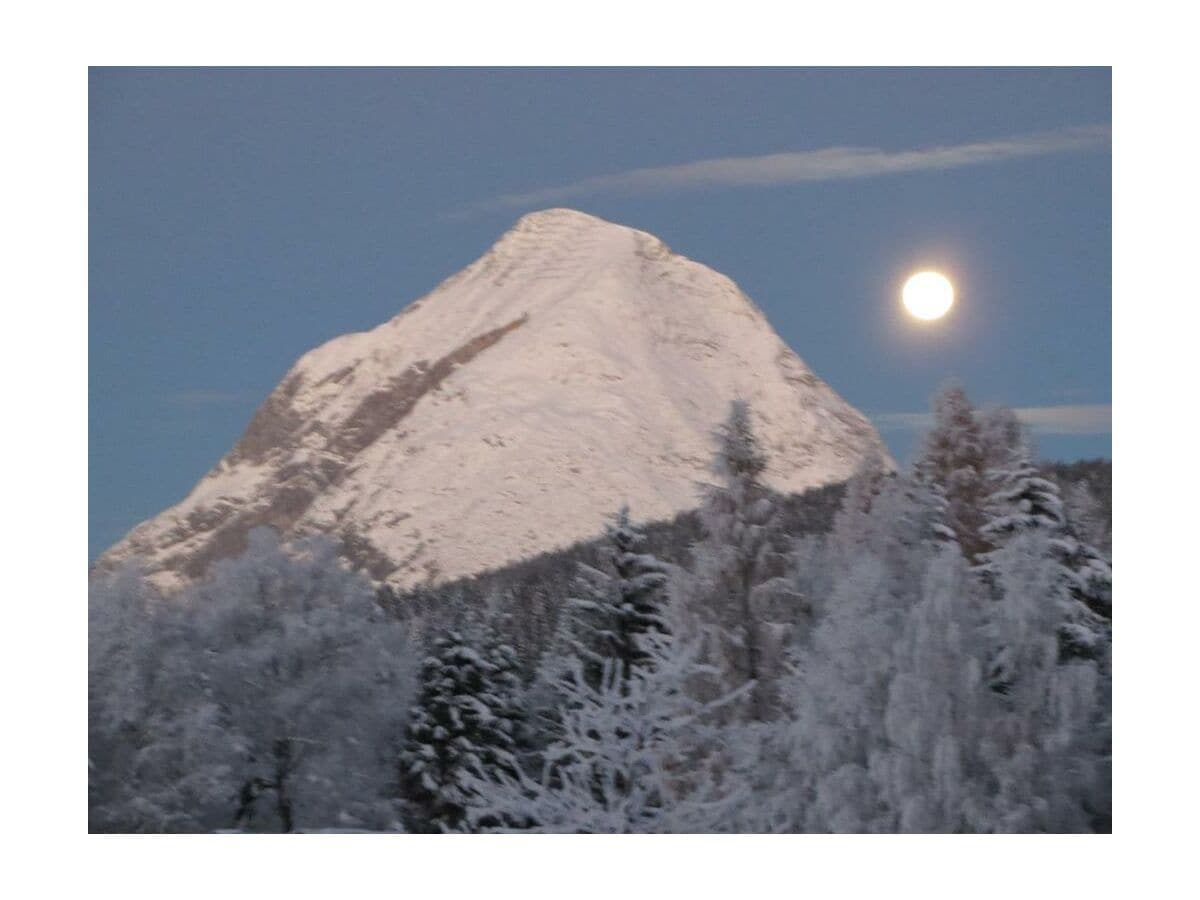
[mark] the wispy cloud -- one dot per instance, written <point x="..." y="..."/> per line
<point x="1092" y="418"/>
<point x="1080" y="419"/>
<point x="827" y="164"/>
<point x="209" y="398"/>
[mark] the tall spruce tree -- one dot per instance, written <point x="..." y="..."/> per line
<point x="740" y="564"/>
<point x="1020" y="499"/>
<point x="614" y="626"/>
<point x="1024" y="502"/>
<point x="618" y="605"/>
<point x="462" y="730"/>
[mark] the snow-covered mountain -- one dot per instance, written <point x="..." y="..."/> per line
<point x="575" y="366"/>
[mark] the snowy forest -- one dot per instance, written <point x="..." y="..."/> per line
<point x="926" y="650"/>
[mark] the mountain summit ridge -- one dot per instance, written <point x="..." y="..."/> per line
<point x="577" y="365"/>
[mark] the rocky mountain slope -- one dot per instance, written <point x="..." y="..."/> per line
<point x="575" y="366"/>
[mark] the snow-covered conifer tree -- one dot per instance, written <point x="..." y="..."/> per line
<point x="1024" y="501"/>
<point x="632" y="752"/>
<point x="1046" y="735"/>
<point x="462" y="731"/>
<point x="618" y="604"/>
<point x="1020" y="499"/>
<point x="738" y="584"/>
<point x="890" y="723"/>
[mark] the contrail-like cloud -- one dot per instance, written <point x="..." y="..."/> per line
<point x="828" y="164"/>
<point x="209" y="398"/>
<point x="1092" y="418"/>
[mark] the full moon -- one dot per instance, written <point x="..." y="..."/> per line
<point x="928" y="295"/>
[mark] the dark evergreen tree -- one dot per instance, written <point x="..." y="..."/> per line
<point x="620" y="603"/>
<point x="463" y="729"/>
<point x="1091" y="575"/>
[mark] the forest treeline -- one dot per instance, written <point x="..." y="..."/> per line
<point x="918" y="651"/>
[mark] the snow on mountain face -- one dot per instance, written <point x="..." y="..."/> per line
<point x="575" y="366"/>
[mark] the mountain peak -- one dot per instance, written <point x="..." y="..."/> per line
<point x="562" y="216"/>
<point x="576" y="366"/>
<point x="568" y="223"/>
<point x="555" y="239"/>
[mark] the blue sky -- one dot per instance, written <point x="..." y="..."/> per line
<point x="240" y="217"/>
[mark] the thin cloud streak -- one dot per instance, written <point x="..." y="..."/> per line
<point x="209" y="398"/>
<point x="828" y="164"/>
<point x="1092" y="418"/>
